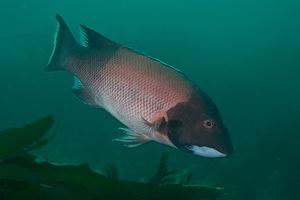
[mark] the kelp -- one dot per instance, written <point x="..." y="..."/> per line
<point x="21" y="177"/>
<point x="80" y="182"/>
<point x="15" y="141"/>
<point x="111" y="171"/>
<point x="163" y="174"/>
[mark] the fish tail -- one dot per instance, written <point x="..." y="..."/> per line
<point x="65" y="47"/>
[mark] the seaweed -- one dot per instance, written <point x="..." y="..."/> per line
<point x="111" y="171"/>
<point x="21" y="177"/>
<point x="15" y="141"/>
<point x="163" y="174"/>
<point x="84" y="182"/>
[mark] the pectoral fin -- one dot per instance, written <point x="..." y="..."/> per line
<point x="155" y="126"/>
<point x="132" y="139"/>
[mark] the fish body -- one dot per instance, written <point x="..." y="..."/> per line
<point x="143" y="93"/>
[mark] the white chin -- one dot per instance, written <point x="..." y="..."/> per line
<point x="206" y="152"/>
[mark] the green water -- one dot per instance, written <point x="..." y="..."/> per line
<point x="244" y="54"/>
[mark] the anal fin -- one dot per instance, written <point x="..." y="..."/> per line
<point x="132" y="139"/>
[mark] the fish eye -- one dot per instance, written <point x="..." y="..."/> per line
<point x="208" y="123"/>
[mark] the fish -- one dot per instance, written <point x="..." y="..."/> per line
<point x="154" y="100"/>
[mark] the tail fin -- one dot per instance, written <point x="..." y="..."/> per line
<point x="65" y="45"/>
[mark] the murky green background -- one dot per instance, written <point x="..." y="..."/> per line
<point x="244" y="54"/>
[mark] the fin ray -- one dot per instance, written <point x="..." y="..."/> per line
<point x="155" y="126"/>
<point x="65" y="45"/>
<point x="132" y="139"/>
<point x="93" y="39"/>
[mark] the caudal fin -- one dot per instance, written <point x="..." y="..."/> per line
<point x="65" y="46"/>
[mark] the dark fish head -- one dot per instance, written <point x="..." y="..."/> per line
<point x="196" y="127"/>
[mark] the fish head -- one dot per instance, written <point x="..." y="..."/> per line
<point x="197" y="127"/>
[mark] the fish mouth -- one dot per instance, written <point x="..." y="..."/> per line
<point x="204" y="151"/>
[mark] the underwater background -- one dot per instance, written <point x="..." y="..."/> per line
<point x="244" y="54"/>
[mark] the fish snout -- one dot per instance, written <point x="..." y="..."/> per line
<point x="212" y="145"/>
<point x="224" y="142"/>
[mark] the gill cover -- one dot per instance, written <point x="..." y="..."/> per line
<point x="187" y="130"/>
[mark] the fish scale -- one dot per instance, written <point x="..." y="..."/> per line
<point x="137" y="87"/>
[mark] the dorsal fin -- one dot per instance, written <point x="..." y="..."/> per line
<point x="94" y="39"/>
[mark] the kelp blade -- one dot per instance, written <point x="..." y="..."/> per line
<point x="14" y="141"/>
<point x="80" y="182"/>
